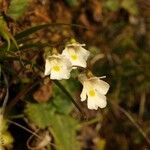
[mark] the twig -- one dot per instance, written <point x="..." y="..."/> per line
<point x="133" y="122"/>
<point x="142" y="105"/>
<point x="20" y="95"/>
<point x="24" y="128"/>
<point x="28" y="130"/>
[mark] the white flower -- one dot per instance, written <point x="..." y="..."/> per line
<point x="94" y="90"/>
<point x="58" y="67"/>
<point x="76" y="54"/>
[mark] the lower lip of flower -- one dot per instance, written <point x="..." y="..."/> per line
<point x="56" y="68"/>
<point x="92" y="93"/>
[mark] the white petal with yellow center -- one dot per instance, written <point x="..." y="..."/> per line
<point x="74" y="57"/>
<point x="58" y="67"/>
<point x="76" y="54"/>
<point x="94" y="91"/>
<point x="100" y="85"/>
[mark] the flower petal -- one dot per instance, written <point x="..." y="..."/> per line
<point x="100" y="85"/>
<point x="95" y="90"/>
<point x="76" y="54"/>
<point x="66" y="53"/>
<point x="83" y="94"/>
<point x="60" y="67"/>
<point x="47" y="67"/>
<point x="75" y="44"/>
<point x="85" y="54"/>
<point x="101" y="100"/>
<point x="91" y="104"/>
<point x="79" y="62"/>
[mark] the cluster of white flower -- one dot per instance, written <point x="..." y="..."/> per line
<point x="59" y="66"/>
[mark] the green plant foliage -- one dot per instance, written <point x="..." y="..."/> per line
<point x="63" y="129"/>
<point x="4" y="32"/>
<point x="17" y="8"/>
<point x="60" y="98"/>
<point x="39" y="114"/>
<point x="130" y="6"/>
<point x="30" y="30"/>
<point x="101" y="144"/>
<point x="6" y="138"/>
<point x="72" y="2"/>
<point x="3" y="124"/>
<point x="61" y="102"/>
<point x="112" y="5"/>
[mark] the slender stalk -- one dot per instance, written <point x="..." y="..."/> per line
<point x="24" y="128"/>
<point x="142" y="105"/>
<point x="20" y="95"/>
<point x="133" y="122"/>
<point x="90" y="122"/>
<point x="16" y="116"/>
<point x="39" y="27"/>
<point x="70" y="97"/>
<point x="28" y="130"/>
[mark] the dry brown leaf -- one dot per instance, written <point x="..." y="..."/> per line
<point x="44" y="93"/>
<point x="95" y="8"/>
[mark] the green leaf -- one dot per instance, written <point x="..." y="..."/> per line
<point x="3" y="123"/>
<point x="100" y="144"/>
<point x="31" y="30"/>
<point x="34" y="29"/>
<point x="65" y="91"/>
<point x="112" y="5"/>
<point x="63" y="128"/>
<point x="17" y="8"/>
<point x="60" y="99"/>
<point x="131" y="6"/>
<point x="72" y="2"/>
<point x="39" y="114"/>
<point x="4" y="32"/>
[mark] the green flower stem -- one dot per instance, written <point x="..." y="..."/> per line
<point x="70" y="97"/>
<point x="90" y="122"/>
<point x="17" y="116"/>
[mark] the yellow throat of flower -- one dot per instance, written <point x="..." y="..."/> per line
<point x="74" y="57"/>
<point x="92" y="93"/>
<point x="56" y="68"/>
